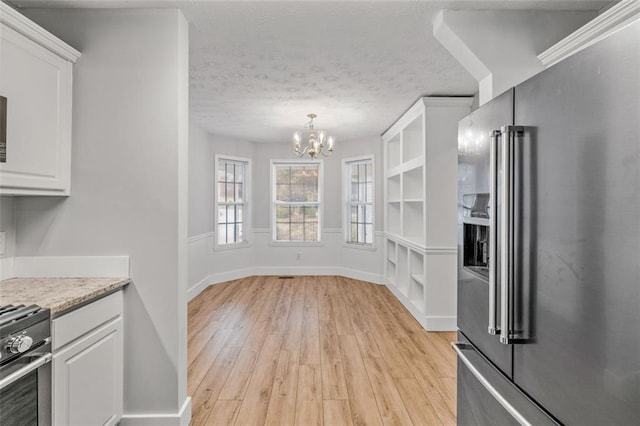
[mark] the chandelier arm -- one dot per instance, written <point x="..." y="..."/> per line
<point x="301" y="153"/>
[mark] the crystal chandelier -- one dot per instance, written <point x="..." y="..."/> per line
<point x="317" y="140"/>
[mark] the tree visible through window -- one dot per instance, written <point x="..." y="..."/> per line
<point x="296" y="201"/>
<point x="359" y="174"/>
<point x="231" y="201"/>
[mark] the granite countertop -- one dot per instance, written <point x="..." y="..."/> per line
<point x="57" y="294"/>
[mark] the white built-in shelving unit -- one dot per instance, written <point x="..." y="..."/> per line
<point x="420" y="184"/>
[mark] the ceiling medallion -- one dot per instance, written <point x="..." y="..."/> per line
<point x="317" y="140"/>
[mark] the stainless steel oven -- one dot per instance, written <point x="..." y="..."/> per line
<point x="25" y="366"/>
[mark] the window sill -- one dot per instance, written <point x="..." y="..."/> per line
<point x="365" y="247"/>
<point x="295" y="244"/>
<point x="225" y="247"/>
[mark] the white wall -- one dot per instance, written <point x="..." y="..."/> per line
<point x="130" y="135"/>
<point x="207" y="265"/>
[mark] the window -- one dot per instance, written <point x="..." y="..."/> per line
<point x="359" y="190"/>
<point x="296" y="194"/>
<point x="232" y="175"/>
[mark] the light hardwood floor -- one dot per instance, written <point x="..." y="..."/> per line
<point x="314" y="350"/>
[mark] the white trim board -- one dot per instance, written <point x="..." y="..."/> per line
<point x="613" y="19"/>
<point x="181" y="418"/>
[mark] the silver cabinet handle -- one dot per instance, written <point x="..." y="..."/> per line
<point x="39" y="362"/>
<point x="459" y="348"/>
<point x="493" y="231"/>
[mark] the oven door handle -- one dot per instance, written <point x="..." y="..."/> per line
<point x="39" y="362"/>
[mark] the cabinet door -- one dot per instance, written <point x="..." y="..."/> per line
<point x="87" y="379"/>
<point x="37" y="86"/>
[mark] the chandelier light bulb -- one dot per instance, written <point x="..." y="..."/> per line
<point x="322" y="135"/>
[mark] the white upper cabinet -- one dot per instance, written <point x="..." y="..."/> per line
<point x="36" y="81"/>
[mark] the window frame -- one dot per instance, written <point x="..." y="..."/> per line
<point x="347" y="204"/>
<point x="246" y="204"/>
<point x="272" y="208"/>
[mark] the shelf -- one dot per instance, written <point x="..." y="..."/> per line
<point x="413" y="200"/>
<point x="476" y="221"/>
<point x="419" y="278"/>
<point x="410" y="165"/>
<point x="405" y="167"/>
<point x="394" y="201"/>
<point x="395" y="172"/>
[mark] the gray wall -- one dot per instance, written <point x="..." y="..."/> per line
<point x="203" y="147"/>
<point x="129" y="151"/>
<point x="202" y="150"/>
<point x="7" y="224"/>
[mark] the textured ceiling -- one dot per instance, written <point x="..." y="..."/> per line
<point x="258" y="68"/>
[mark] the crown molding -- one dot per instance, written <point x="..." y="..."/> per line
<point x="20" y="23"/>
<point x="616" y="17"/>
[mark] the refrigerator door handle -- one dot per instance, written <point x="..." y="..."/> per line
<point x="505" y="233"/>
<point x="507" y="276"/>
<point x="460" y="348"/>
<point x="493" y="328"/>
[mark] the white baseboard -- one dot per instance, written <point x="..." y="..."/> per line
<point x="181" y="418"/>
<point x="441" y="323"/>
<point x="429" y="323"/>
<point x="71" y="266"/>
<point x="195" y="290"/>
<point x="278" y="270"/>
<point x="296" y="270"/>
<point x="362" y="276"/>
<point x="6" y="268"/>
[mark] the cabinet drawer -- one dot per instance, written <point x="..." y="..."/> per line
<point x="79" y="322"/>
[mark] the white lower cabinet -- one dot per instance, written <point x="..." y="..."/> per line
<point x="88" y="371"/>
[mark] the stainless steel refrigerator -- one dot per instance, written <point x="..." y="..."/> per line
<point x="549" y="245"/>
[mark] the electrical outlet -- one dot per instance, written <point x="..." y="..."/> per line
<point x="299" y="256"/>
<point x="2" y="242"/>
